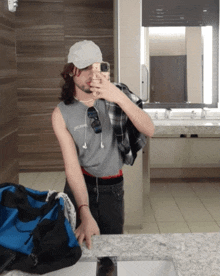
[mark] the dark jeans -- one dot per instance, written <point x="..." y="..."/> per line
<point x="106" y="202"/>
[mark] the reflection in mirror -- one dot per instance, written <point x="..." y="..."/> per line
<point x="179" y="63"/>
<point x="198" y="80"/>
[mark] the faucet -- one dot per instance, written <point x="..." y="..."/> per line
<point x="156" y="115"/>
<point x="204" y="113"/>
<point x="167" y="113"/>
<point x="193" y="114"/>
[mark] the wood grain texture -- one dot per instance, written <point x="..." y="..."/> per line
<point x="184" y="173"/>
<point x="45" y="30"/>
<point x="90" y="20"/>
<point x="9" y="154"/>
<point x="40" y="57"/>
<point x="8" y="98"/>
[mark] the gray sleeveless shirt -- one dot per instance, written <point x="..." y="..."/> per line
<point x="98" y="153"/>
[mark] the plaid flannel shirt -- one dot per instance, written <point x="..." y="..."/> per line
<point x="129" y="139"/>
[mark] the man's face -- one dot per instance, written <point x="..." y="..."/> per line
<point x="83" y="79"/>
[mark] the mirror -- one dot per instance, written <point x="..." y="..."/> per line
<point x="179" y="62"/>
<point x="179" y="50"/>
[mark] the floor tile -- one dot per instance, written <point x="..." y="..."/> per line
<point x="148" y="212"/>
<point x="165" y="209"/>
<point x="204" y="190"/>
<point x="192" y="209"/>
<point x="213" y="207"/>
<point x="188" y="201"/>
<point x="148" y="228"/>
<point x="160" y="190"/>
<point x="203" y="226"/>
<point x="26" y="179"/>
<point x="59" y="184"/>
<point x="182" y="190"/>
<point x="45" y="181"/>
<point x="59" y="187"/>
<point x="216" y="185"/>
<point x="173" y="227"/>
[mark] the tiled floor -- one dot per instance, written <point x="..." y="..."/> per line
<point x="171" y="207"/>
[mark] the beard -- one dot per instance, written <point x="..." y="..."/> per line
<point x="82" y="87"/>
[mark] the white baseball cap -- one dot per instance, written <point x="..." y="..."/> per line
<point x="84" y="53"/>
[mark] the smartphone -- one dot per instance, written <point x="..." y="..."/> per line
<point x="103" y="67"/>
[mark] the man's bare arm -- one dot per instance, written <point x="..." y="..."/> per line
<point x="75" y="177"/>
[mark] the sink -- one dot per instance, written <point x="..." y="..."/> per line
<point x="184" y="117"/>
<point x="146" y="268"/>
<point x="184" y="114"/>
<point x="180" y="122"/>
<point x="85" y="268"/>
<point x="196" y="118"/>
<point x="121" y="268"/>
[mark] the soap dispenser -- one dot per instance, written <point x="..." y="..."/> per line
<point x="12" y="5"/>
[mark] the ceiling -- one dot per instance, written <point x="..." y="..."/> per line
<point x="179" y="12"/>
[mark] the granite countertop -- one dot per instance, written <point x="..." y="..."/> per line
<point x="193" y="254"/>
<point x="180" y="122"/>
<point x="207" y="127"/>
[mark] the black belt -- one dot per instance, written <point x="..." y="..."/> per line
<point x="110" y="181"/>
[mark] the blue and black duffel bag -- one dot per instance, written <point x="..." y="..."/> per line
<point x="35" y="233"/>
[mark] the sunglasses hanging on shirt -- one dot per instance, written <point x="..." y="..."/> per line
<point x="95" y="122"/>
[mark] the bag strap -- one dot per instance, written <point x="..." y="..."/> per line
<point x="19" y="199"/>
<point x="7" y="256"/>
<point x="32" y="211"/>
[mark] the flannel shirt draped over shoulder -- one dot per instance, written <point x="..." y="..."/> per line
<point x="129" y="139"/>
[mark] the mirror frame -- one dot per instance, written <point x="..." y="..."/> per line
<point x="215" y="79"/>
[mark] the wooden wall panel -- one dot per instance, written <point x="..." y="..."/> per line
<point x="90" y="20"/>
<point x="45" y="31"/>
<point x="8" y="98"/>
<point x="40" y="56"/>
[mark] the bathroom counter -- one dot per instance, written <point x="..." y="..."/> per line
<point x="192" y="254"/>
<point x="195" y="254"/>
<point x="171" y="127"/>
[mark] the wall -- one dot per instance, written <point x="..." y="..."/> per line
<point x="45" y="30"/>
<point x="8" y="97"/>
<point x="194" y="64"/>
<point x="129" y="14"/>
<point x="40" y="57"/>
<point x="166" y="45"/>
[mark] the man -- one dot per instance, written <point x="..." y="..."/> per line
<point x="95" y="142"/>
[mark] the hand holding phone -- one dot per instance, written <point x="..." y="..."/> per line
<point x="103" y="67"/>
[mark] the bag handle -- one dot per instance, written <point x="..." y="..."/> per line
<point x="19" y="199"/>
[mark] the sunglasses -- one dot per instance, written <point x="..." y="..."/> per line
<point x="95" y="122"/>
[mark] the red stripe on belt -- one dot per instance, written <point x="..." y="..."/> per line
<point x="120" y="173"/>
